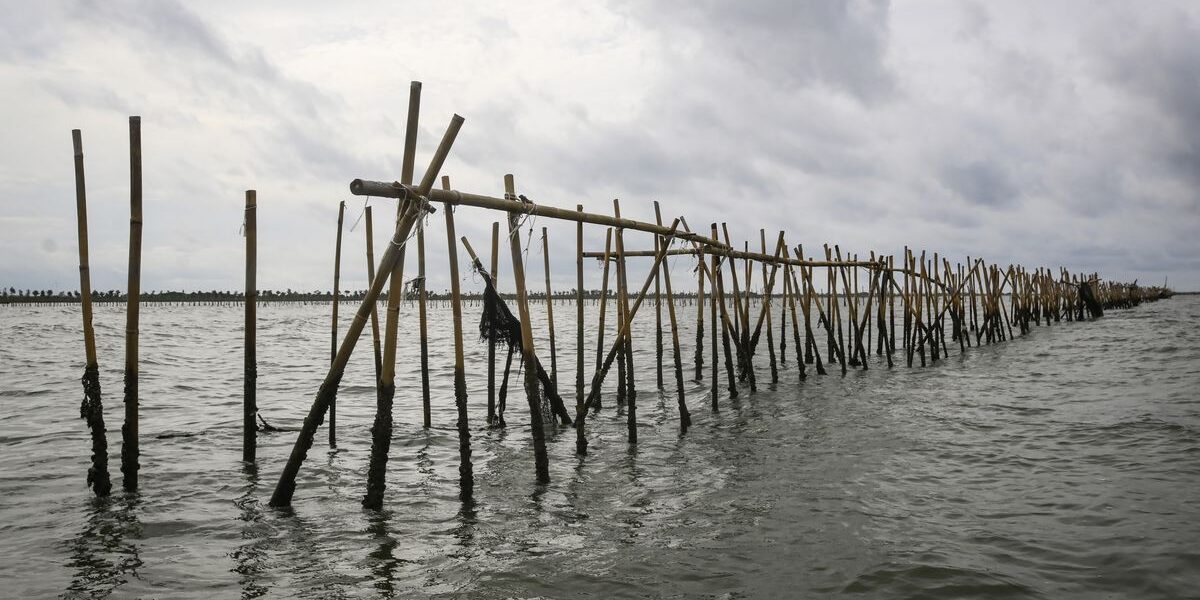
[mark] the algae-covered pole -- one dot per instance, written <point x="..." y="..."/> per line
<point x="286" y="487"/>
<point x="391" y="270"/>
<point x="528" y="357"/>
<point x="466" y="477"/>
<point x="250" y="365"/>
<point x="550" y="308"/>
<point x="91" y="409"/>
<point x="423" y="325"/>
<point x="489" y="307"/>
<point x="129" y="432"/>
<point x="625" y="335"/>
<point x="333" y="335"/>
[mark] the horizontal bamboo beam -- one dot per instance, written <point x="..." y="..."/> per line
<point x="757" y="256"/>
<point x="381" y="189"/>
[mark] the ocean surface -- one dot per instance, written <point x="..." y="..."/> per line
<point x="1063" y="464"/>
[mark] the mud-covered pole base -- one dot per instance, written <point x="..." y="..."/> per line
<point x="92" y="411"/>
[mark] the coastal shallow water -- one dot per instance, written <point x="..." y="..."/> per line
<point x="1062" y="464"/>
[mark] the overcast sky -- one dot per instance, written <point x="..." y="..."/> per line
<point x="1040" y="133"/>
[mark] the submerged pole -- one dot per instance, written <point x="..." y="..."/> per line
<point x="579" y="354"/>
<point x="129" y="432"/>
<point x="333" y="335"/>
<point x="529" y="358"/>
<point x="466" y="476"/>
<point x="250" y="363"/>
<point x="423" y="325"/>
<point x="492" y="418"/>
<point x="92" y="408"/>
<point x="550" y="309"/>
<point x="625" y="335"/>
<point x="375" y="341"/>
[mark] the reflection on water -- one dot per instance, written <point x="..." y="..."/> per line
<point x="1051" y="466"/>
<point x="104" y="555"/>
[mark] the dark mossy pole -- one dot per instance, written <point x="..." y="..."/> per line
<point x="92" y="408"/>
<point x="712" y="330"/>
<point x="391" y="271"/>
<point x="626" y="336"/>
<point x="333" y="335"/>
<point x="129" y="432"/>
<point x="661" y="245"/>
<point x="492" y="418"/>
<point x="550" y="309"/>
<point x="250" y="364"/>
<point x="466" y="476"/>
<point x="423" y="323"/>
<point x="699" y="357"/>
<point x="529" y="358"/>
<point x="375" y="341"/>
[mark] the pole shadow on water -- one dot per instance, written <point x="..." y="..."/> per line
<point x="105" y="555"/>
<point x="250" y="558"/>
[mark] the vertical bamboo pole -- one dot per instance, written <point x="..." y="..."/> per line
<point x="623" y="300"/>
<point x="376" y="346"/>
<point x="129" y="432"/>
<point x="92" y="407"/>
<point x="550" y="309"/>
<point x="660" y="247"/>
<point x="712" y="317"/>
<point x="658" y="330"/>
<point x="423" y="323"/>
<point x="250" y="364"/>
<point x="333" y="337"/>
<point x="699" y="357"/>
<point x="767" y="311"/>
<point x="466" y="477"/>
<point x="784" y="298"/>
<point x="727" y="324"/>
<point x="579" y="358"/>
<point x="492" y="417"/>
<point x="603" y="308"/>
<point x="529" y="358"/>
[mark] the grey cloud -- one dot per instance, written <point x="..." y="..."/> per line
<point x="980" y="182"/>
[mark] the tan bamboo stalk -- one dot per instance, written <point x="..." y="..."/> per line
<point x="423" y="323"/>
<point x="579" y="397"/>
<point x="809" y="303"/>
<point x="603" y="309"/>
<point x="699" y="356"/>
<point x="550" y="309"/>
<point x="790" y="306"/>
<point x="129" y="432"/>
<point x="492" y="417"/>
<point x="250" y="363"/>
<point x="626" y="335"/>
<point x="391" y="270"/>
<point x="92" y="407"/>
<point x="785" y="295"/>
<point x="381" y="433"/>
<point x="529" y="358"/>
<point x="712" y="317"/>
<point x="685" y="418"/>
<point x="762" y="233"/>
<point x="466" y="476"/>
<point x="376" y="345"/>
<point x="728" y="324"/>
<point x="658" y="330"/>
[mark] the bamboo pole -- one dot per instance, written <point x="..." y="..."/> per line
<point x="529" y="358"/>
<point x="603" y="308"/>
<point x="492" y="417"/>
<point x="658" y="330"/>
<point x="362" y="187"/>
<point x="550" y="309"/>
<point x="685" y="418"/>
<point x="579" y="352"/>
<point x="789" y="278"/>
<point x="333" y="337"/>
<point x="626" y="335"/>
<point x="423" y="323"/>
<point x="92" y="407"/>
<point x="129" y="432"/>
<point x="391" y="270"/>
<point x="376" y="346"/>
<point x="250" y="363"/>
<point x="699" y="357"/>
<point x="466" y="476"/>
<point x="719" y="288"/>
<point x="286" y="487"/>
